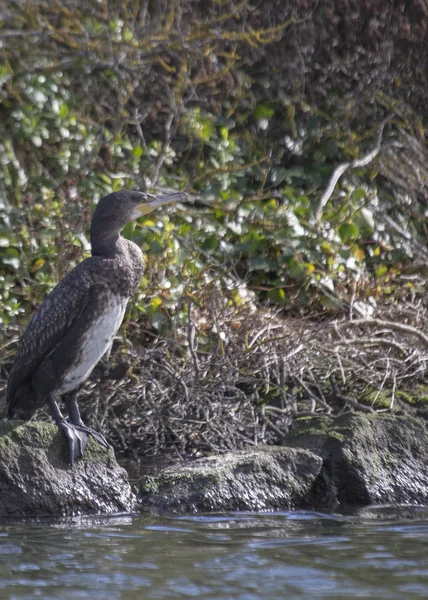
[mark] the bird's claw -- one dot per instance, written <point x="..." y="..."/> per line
<point x="95" y="434"/>
<point x="77" y="437"/>
<point x="77" y="440"/>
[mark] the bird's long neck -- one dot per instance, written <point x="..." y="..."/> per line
<point x="105" y="237"/>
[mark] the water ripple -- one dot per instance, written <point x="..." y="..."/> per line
<point x="371" y="553"/>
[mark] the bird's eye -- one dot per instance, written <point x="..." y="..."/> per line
<point x="138" y="197"/>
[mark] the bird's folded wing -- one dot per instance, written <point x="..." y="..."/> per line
<point x="50" y="323"/>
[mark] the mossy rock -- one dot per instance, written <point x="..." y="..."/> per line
<point x="36" y="479"/>
<point x="261" y="479"/>
<point x="366" y="458"/>
<point x="415" y="396"/>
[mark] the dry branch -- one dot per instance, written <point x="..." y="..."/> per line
<point x="342" y="168"/>
<point x="393" y="326"/>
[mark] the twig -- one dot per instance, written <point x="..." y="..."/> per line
<point x="191" y="335"/>
<point x="369" y="342"/>
<point x="340" y="170"/>
<point x="274" y="427"/>
<point x="138" y="120"/>
<point x="312" y="395"/>
<point x="403" y="233"/>
<point x="166" y="144"/>
<point x="13" y="33"/>
<point x="389" y="325"/>
<point x="339" y="396"/>
<point x="387" y="373"/>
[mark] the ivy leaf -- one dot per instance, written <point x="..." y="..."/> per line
<point x="263" y="111"/>
<point x="276" y="295"/>
<point x="37" y="265"/>
<point x="381" y="270"/>
<point x="259" y="263"/>
<point x="63" y="111"/>
<point x="348" y="231"/>
<point x="367" y="215"/>
<point x="326" y="248"/>
<point x="359" y="194"/>
<point x="105" y="178"/>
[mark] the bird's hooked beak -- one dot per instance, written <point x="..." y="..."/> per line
<point x="154" y="201"/>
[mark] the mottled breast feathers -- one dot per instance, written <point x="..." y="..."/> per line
<point x="68" y="302"/>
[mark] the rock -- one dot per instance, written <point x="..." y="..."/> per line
<point x="367" y="459"/>
<point x="36" y="479"/>
<point x="263" y="478"/>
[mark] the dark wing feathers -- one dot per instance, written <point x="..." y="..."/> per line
<point x="49" y="324"/>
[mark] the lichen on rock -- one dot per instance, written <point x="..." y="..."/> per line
<point x="367" y="459"/>
<point x="326" y="461"/>
<point x="261" y="479"/>
<point x="37" y="480"/>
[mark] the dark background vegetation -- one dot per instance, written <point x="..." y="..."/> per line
<point x="279" y="290"/>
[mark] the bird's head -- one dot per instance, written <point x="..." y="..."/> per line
<point x="120" y="208"/>
<point x="114" y="211"/>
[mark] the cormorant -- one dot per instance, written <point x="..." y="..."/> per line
<point x="74" y="326"/>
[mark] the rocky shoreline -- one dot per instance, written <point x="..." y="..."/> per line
<point x="350" y="459"/>
<point x="325" y="462"/>
<point x="37" y="481"/>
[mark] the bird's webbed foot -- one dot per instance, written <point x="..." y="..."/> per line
<point x="95" y="434"/>
<point x="76" y="432"/>
<point x="75" y="418"/>
<point x="77" y="439"/>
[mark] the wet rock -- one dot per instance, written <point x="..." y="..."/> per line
<point x="367" y="459"/>
<point x="264" y="478"/>
<point x="36" y="479"/>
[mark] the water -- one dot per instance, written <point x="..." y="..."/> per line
<point x="371" y="553"/>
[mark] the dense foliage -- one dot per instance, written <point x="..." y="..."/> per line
<point x="251" y="109"/>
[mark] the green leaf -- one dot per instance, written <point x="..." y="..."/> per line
<point x="276" y="295"/>
<point x="210" y="243"/>
<point x="348" y="231"/>
<point x="63" y="111"/>
<point x="4" y="74"/>
<point x="296" y="269"/>
<point x="156" y="247"/>
<point x="278" y="174"/>
<point x="359" y="194"/>
<point x="138" y="151"/>
<point x="148" y="222"/>
<point x="224" y="133"/>
<point x="259" y="263"/>
<point x="37" y="265"/>
<point x="263" y="111"/>
<point x="206" y="129"/>
<point x="381" y="270"/>
<point x="326" y="248"/>
<point x="104" y="178"/>
<point x="367" y="215"/>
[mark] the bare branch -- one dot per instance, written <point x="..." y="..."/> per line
<point x="341" y="169"/>
<point x="388" y="325"/>
<point x="347" y="400"/>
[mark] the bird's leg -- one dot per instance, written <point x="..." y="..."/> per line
<point x="77" y="439"/>
<point x="76" y="419"/>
